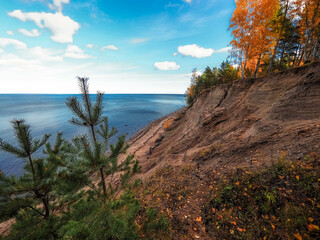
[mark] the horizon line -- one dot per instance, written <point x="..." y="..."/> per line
<point x="90" y="93"/>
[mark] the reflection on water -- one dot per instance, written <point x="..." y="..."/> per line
<point x="49" y="114"/>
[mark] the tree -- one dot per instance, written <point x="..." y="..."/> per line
<point x="252" y="35"/>
<point x="227" y="73"/>
<point x="95" y="155"/>
<point x="34" y="184"/>
<point x="88" y="116"/>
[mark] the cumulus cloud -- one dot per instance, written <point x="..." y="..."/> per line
<point x="164" y="66"/>
<point x="89" y="45"/>
<point x="44" y="54"/>
<point x="223" y="50"/>
<point x="57" y="5"/>
<point x="62" y="27"/>
<point x="74" y="51"/>
<point x="4" y="42"/>
<point x="109" y="47"/>
<point x="138" y="40"/>
<point x="199" y="52"/>
<point x="10" y="33"/>
<point x="32" y="33"/>
<point x="195" y="51"/>
<point x="188" y="1"/>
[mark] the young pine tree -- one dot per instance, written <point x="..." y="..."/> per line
<point x="95" y="155"/>
<point x="33" y="187"/>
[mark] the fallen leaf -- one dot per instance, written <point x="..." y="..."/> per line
<point x="312" y="227"/>
<point x="298" y="236"/>
<point x="310" y="219"/>
<point x="241" y="229"/>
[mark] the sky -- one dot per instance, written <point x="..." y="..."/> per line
<point x="123" y="46"/>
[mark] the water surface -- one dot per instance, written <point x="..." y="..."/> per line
<point x="49" y="114"/>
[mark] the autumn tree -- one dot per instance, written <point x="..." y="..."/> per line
<point x="252" y="33"/>
<point x="308" y="15"/>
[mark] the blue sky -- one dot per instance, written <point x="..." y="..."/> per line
<point x="124" y="46"/>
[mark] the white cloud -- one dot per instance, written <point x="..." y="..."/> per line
<point x="62" y="27"/>
<point x="10" y="33"/>
<point x="57" y="5"/>
<point x="175" y="54"/>
<point x="89" y="45"/>
<point x="198" y="73"/>
<point x="188" y="1"/>
<point x="4" y="42"/>
<point x="223" y="50"/>
<point x="164" y="66"/>
<point x="13" y="60"/>
<point x="199" y="52"/>
<point x="138" y="40"/>
<point x="110" y="47"/>
<point x="32" y="33"/>
<point x="74" y="51"/>
<point x="45" y="54"/>
<point x="195" y="51"/>
<point x="1" y="51"/>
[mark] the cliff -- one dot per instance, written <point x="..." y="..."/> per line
<point x="243" y="126"/>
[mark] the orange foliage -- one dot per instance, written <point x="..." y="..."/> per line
<point x="168" y="123"/>
<point x="252" y="36"/>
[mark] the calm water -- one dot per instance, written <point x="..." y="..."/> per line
<point x="49" y="114"/>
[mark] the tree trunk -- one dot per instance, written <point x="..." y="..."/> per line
<point x="281" y="58"/>
<point x="45" y="202"/>
<point x="310" y="35"/>
<point x="244" y="69"/>
<point x="103" y="182"/>
<point x="258" y="65"/>
<point x="296" y="55"/>
<point x="93" y="134"/>
<point x="314" y="52"/>
<point x="32" y="168"/>
<point x="279" y="38"/>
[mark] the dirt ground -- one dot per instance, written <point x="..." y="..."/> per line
<point x="239" y="126"/>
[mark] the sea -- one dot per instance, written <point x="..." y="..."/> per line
<point x="49" y="114"/>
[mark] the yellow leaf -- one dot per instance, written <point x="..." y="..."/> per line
<point x="297" y="177"/>
<point x="198" y="219"/>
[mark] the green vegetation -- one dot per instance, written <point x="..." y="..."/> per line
<point x="280" y="202"/>
<point x="78" y="189"/>
<point x="210" y="78"/>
